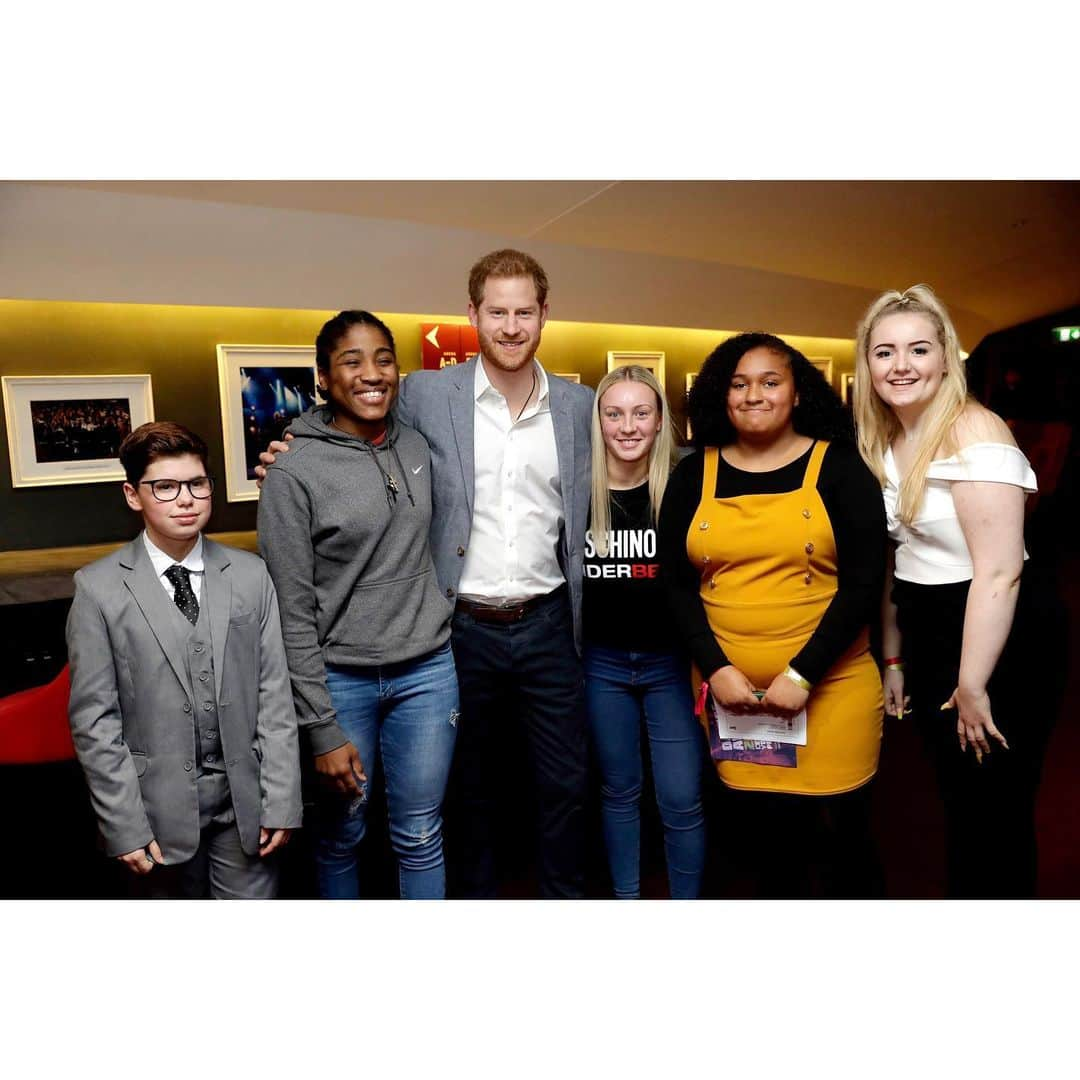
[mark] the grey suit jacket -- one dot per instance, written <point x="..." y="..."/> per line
<point x="441" y="406"/>
<point x="131" y="712"/>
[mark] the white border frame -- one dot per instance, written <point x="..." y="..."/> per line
<point x="847" y="386"/>
<point x="824" y="364"/>
<point x="654" y="361"/>
<point x="18" y="390"/>
<point x="569" y="376"/>
<point x="691" y="376"/>
<point x="231" y="358"/>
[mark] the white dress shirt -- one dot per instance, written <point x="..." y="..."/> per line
<point x="517" y="504"/>
<point x="193" y="563"/>
<point x="932" y="549"/>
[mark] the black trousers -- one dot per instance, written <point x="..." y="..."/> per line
<point x="521" y="688"/>
<point x="990" y="841"/>
<point x="806" y="846"/>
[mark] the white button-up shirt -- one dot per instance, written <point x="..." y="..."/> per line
<point x="193" y="563"/>
<point x="517" y="505"/>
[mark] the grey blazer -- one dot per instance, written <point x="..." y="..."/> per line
<point x="131" y="713"/>
<point x="441" y="406"/>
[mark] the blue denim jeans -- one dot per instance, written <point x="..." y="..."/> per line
<point x="622" y="689"/>
<point x="404" y="716"/>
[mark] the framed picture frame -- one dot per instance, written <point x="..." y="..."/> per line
<point x="263" y="388"/>
<point x="847" y="386"/>
<point x="67" y="429"/>
<point x="654" y="361"/>
<point x="691" y="377"/>
<point x="569" y="376"/>
<point x="824" y="364"/>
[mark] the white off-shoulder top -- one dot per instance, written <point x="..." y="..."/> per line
<point x="932" y="550"/>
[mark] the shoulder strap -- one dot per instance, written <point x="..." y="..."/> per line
<point x="708" y="479"/>
<point x="813" y="469"/>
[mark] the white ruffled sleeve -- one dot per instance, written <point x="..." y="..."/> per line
<point x="997" y="463"/>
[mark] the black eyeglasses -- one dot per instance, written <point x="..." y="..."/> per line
<point x="168" y="490"/>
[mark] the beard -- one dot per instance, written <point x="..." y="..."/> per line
<point x="498" y="358"/>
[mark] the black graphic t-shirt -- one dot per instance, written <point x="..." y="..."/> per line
<point x="623" y="601"/>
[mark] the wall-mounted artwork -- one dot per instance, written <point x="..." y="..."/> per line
<point x="824" y="365"/>
<point x="654" y="361"/>
<point x="263" y="388"/>
<point x="847" y="386"/>
<point x="67" y="429"/>
<point x="691" y="376"/>
<point x="569" y="376"/>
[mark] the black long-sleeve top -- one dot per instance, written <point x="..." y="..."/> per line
<point x="852" y="498"/>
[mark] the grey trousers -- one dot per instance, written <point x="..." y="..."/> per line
<point x="220" y="869"/>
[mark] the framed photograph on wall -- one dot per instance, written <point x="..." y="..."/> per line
<point x="263" y="388"/>
<point x="654" y="361"/>
<point x="67" y="429"/>
<point x="569" y="376"/>
<point x="847" y="386"/>
<point x="691" y="376"/>
<point x="824" y="365"/>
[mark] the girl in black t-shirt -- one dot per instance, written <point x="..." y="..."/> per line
<point x="632" y="673"/>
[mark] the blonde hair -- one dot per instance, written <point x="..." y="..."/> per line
<point x="661" y="455"/>
<point x="877" y="425"/>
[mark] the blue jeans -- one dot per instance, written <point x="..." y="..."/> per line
<point x="406" y="716"/>
<point x="621" y="689"/>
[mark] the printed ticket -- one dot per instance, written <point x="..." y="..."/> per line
<point x="761" y="727"/>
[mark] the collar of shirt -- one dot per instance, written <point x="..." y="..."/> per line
<point x="483" y="388"/>
<point x="193" y="561"/>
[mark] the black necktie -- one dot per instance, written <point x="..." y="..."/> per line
<point x="183" y="597"/>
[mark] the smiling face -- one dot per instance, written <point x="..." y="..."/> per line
<point x="629" y="420"/>
<point x="906" y="360"/>
<point x="762" y="395"/>
<point x="172" y="526"/>
<point x="508" y="322"/>
<point x="360" y="381"/>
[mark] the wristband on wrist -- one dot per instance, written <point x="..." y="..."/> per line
<point x="790" y="673"/>
<point x="894" y="663"/>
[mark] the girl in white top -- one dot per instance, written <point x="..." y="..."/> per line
<point x="954" y="484"/>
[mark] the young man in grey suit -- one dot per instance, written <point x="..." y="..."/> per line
<point x="510" y="487"/>
<point x="181" y="708"/>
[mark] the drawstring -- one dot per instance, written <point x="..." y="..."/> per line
<point x="404" y="473"/>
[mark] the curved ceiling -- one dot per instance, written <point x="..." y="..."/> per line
<point x="999" y="252"/>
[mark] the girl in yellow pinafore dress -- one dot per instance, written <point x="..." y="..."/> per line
<point x="768" y="571"/>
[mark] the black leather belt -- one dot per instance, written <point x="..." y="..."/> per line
<point x="500" y="614"/>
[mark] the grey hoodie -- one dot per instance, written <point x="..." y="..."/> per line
<point x="350" y="559"/>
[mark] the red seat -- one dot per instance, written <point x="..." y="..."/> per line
<point x="34" y="724"/>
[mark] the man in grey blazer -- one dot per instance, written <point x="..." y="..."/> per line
<point x="510" y="454"/>
<point x="181" y="709"/>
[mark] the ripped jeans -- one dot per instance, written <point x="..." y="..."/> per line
<point x="404" y="717"/>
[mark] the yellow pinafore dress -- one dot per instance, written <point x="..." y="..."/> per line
<point x="768" y="572"/>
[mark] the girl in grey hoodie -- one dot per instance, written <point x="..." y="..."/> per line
<point x="343" y="526"/>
